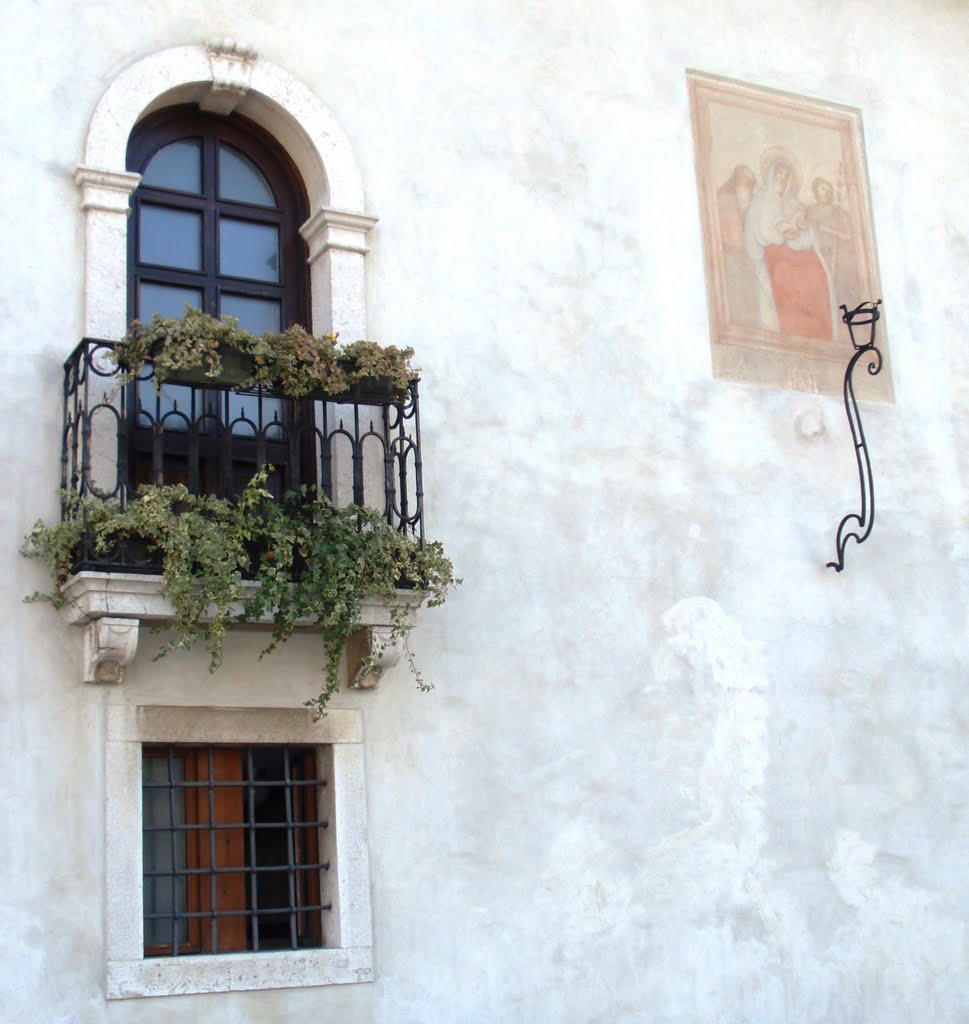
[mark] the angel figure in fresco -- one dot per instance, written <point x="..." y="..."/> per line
<point x="733" y="201"/>
<point x="832" y="229"/>
<point x="793" y="285"/>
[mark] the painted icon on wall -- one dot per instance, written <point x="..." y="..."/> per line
<point x="787" y="234"/>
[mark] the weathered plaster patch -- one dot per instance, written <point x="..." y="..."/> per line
<point x="718" y="714"/>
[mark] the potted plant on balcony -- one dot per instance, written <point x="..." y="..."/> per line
<point x="312" y="562"/>
<point x="200" y="349"/>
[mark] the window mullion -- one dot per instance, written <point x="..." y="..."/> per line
<point x="210" y="225"/>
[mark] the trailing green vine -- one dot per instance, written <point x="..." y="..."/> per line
<point x="293" y="361"/>
<point x="312" y="560"/>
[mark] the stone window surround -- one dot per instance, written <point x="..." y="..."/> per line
<point x="348" y="957"/>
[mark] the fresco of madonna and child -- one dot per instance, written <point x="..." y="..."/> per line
<point x="787" y="234"/>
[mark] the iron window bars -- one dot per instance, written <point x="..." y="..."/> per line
<point x="231" y="849"/>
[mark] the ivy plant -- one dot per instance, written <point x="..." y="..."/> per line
<point x="311" y="559"/>
<point x="293" y="362"/>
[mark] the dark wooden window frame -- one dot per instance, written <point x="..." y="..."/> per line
<point x="155" y="132"/>
<point x="177" y="123"/>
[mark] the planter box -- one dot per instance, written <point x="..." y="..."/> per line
<point x="237" y="367"/>
<point x="368" y="391"/>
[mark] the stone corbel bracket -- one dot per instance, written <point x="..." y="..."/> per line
<point x="111" y="607"/>
<point x="109" y="645"/>
<point x="370" y="652"/>
<point x="232" y="63"/>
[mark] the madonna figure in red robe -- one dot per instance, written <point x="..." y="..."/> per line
<point x="794" y="289"/>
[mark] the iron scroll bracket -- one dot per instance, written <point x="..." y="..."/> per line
<point x="854" y="524"/>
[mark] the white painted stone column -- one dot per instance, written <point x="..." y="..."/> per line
<point x="337" y="241"/>
<point x="351" y="910"/>
<point x="104" y="200"/>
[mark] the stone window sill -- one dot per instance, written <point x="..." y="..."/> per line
<point x="110" y="607"/>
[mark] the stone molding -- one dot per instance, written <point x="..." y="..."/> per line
<point x="107" y="191"/>
<point x="238" y="972"/>
<point x="109" y="645"/>
<point x="232" y="62"/>
<point x="370" y="652"/>
<point x="167" y="723"/>
<point x="276" y="100"/>
<point x="110" y="606"/>
<point x="337" y="229"/>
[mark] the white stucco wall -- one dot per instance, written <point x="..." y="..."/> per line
<point x="674" y="769"/>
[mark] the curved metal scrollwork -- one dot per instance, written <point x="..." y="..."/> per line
<point x="859" y="525"/>
<point x="362" y="446"/>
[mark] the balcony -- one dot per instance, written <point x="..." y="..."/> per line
<point x="362" y="447"/>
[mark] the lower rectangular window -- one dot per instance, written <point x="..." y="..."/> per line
<point x="231" y="849"/>
<point x="235" y="850"/>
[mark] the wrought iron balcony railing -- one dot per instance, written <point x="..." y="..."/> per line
<point x="362" y="447"/>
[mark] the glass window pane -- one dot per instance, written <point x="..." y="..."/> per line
<point x="241" y="180"/>
<point x="247" y="249"/>
<point x="164" y="408"/>
<point x="250" y="414"/>
<point x="170" y="238"/>
<point x="178" y="166"/>
<point x="163" y="851"/>
<point x="256" y="315"/>
<point x="165" y="299"/>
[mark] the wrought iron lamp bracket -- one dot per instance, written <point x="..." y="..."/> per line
<point x="858" y="525"/>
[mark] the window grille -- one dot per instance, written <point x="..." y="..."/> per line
<point x="231" y="849"/>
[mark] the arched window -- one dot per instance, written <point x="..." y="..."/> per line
<point x="215" y="222"/>
<point x="214" y="225"/>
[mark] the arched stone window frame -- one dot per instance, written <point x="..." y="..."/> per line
<point x="222" y="77"/>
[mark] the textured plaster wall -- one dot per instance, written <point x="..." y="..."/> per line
<point x="674" y="769"/>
